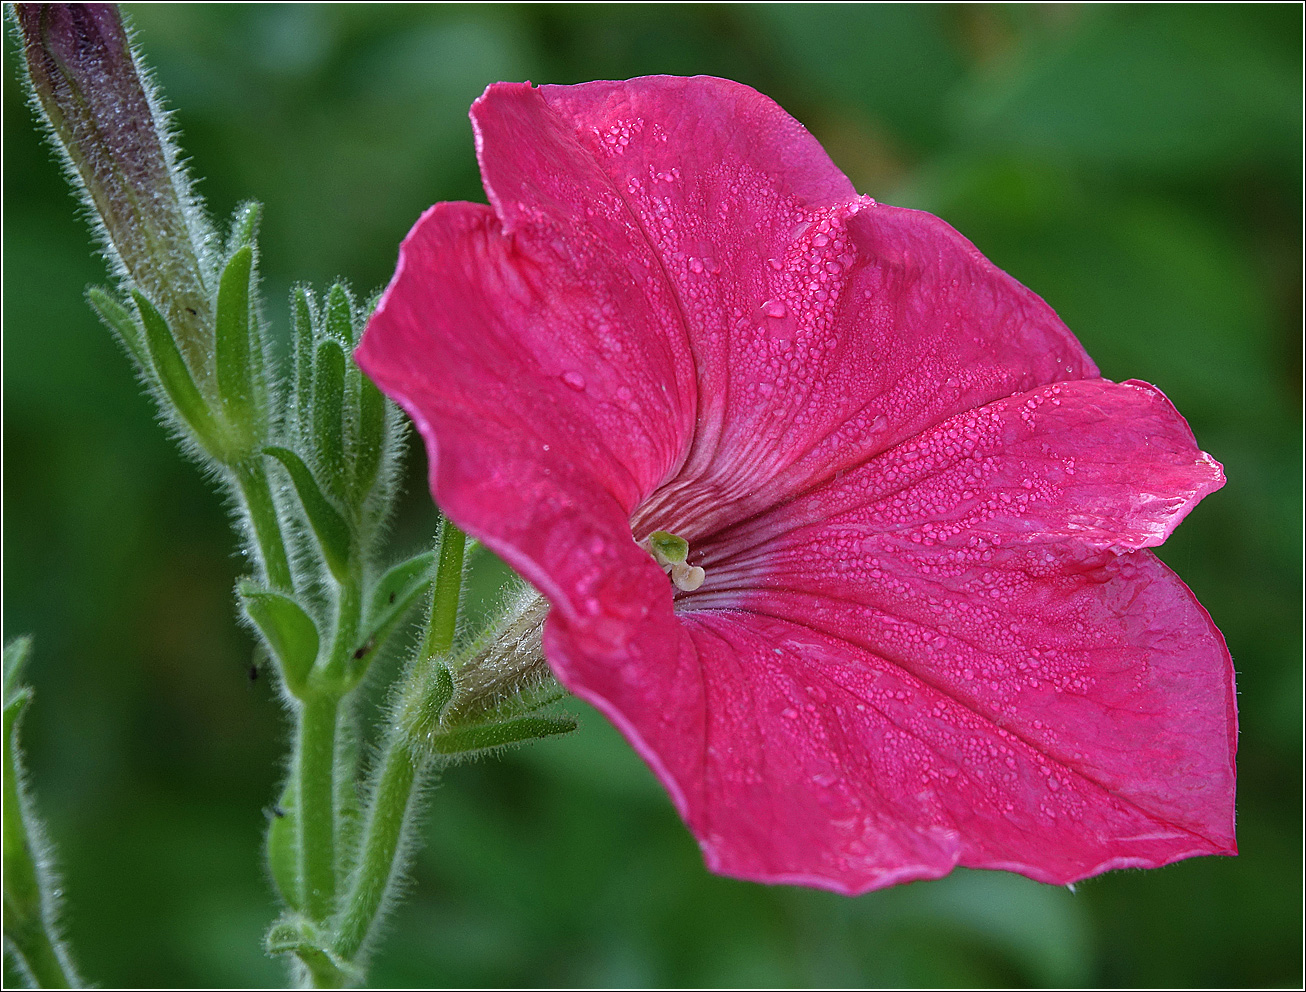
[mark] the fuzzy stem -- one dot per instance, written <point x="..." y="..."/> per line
<point x="252" y="478"/>
<point x="444" y="598"/>
<point x="381" y="856"/>
<point x="316" y="745"/>
<point x="379" y="861"/>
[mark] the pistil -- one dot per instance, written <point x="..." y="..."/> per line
<point x="670" y="552"/>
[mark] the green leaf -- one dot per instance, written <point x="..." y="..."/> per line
<point x="339" y="318"/>
<point x="31" y="893"/>
<point x="121" y="322"/>
<point x="395" y="593"/>
<point x="283" y="848"/>
<point x="175" y="377"/>
<point x="303" y="315"/>
<point x="289" y="631"/>
<point x="16" y="656"/>
<point x="232" y="343"/>
<point x="328" y="403"/>
<point x="244" y="225"/>
<point x="329" y="526"/>
<point x="371" y="437"/>
<point x="488" y="736"/>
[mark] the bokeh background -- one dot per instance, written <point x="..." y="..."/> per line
<point x="1139" y="167"/>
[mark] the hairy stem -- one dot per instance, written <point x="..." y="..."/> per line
<point x="379" y="862"/>
<point x="316" y="744"/>
<point x="252" y="477"/>
<point x="444" y="599"/>
<point x="395" y="790"/>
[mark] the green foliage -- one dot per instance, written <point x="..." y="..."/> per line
<point x="287" y="629"/>
<point x="232" y="346"/>
<point x="328" y="524"/>
<point x="33" y="944"/>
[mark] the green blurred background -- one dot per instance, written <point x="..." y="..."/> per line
<point x="1138" y="167"/>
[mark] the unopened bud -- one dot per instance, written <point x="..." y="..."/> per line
<point x="101" y="114"/>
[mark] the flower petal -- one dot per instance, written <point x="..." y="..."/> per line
<point x="1052" y="676"/>
<point x="482" y="338"/>
<point x="824" y="327"/>
<point x="801" y="757"/>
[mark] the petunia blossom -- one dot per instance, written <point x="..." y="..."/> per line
<point x="927" y="630"/>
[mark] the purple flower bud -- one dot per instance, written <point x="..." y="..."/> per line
<point x="102" y="115"/>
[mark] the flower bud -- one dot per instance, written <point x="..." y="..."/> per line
<point x="102" y="115"/>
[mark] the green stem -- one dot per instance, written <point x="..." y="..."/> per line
<point x="252" y="477"/>
<point x="389" y="806"/>
<point x="378" y="863"/>
<point x="316" y="744"/>
<point x="445" y="596"/>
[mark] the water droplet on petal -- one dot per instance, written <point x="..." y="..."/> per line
<point x="575" y="380"/>
<point x="774" y="308"/>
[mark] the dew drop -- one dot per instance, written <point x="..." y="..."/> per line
<point x="575" y="380"/>
<point x="774" y="308"/>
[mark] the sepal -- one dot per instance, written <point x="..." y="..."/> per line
<point x="119" y="320"/>
<point x="328" y="411"/>
<point x="174" y="376"/>
<point x="234" y="354"/>
<point x="329" y="526"/>
<point x="489" y="737"/>
<point x="395" y="593"/>
<point x="303" y="316"/>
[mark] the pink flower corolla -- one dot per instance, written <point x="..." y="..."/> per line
<point x="927" y="631"/>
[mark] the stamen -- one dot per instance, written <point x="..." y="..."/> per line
<point x="670" y="552"/>
<point x="687" y="577"/>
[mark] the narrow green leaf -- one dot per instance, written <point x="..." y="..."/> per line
<point x="395" y="594"/>
<point x="232" y="343"/>
<point x="485" y="737"/>
<point x="121" y="322"/>
<point x="289" y="631"/>
<point x="331" y="529"/>
<point x="283" y="847"/>
<point x="244" y="225"/>
<point x="16" y="655"/>
<point x="339" y="319"/>
<point x="175" y="376"/>
<point x="371" y="437"/>
<point x="303" y="315"/>
<point x="295" y="935"/>
<point x="31" y="893"/>
<point x="328" y="403"/>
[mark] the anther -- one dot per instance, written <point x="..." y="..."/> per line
<point x="670" y="552"/>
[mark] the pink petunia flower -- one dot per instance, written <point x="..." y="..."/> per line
<point x="926" y="630"/>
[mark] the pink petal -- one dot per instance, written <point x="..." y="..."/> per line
<point x="824" y="327"/>
<point x="801" y="757"/>
<point x="1078" y="689"/>
<point x="483" y="345"/>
